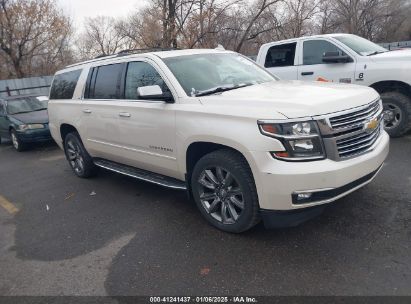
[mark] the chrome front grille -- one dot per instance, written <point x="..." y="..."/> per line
<point x="353" y="132"/>
<point x="357" y="144"/>
<point x="356" y="118"/>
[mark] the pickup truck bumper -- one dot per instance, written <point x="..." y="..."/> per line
<point x="319" y="183"/>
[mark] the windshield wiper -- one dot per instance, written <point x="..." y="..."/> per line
<point x="221" y="89"/>
<point x="24" y="112"/>
<point x="376" y="53"/>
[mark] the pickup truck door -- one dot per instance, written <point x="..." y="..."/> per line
<point x="312" y="65"/>
<point x="280" y="60"/>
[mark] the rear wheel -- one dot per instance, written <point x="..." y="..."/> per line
<point x="224" y="191"/>
<point x="17" y="144"/>
<point x="80" y="161"/>
<point x="397" y="113"/>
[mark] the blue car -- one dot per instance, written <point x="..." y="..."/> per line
<point x="24" y="120"/>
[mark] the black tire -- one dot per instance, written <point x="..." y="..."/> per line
<point x="397" y="107"/>
<point x="79" y="160"/>
<point x="18" y="145"/>
<point x="240" y="178"/>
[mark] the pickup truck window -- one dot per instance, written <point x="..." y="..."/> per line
<point x="105" y="82"/>
<point x="140" y="74"/>
<point x="314" y="51"/>
<point x="64" y="85"/>
<point x="360" y="45"/>
<point x="203" y="72"/>
<point x="280" y="55"/>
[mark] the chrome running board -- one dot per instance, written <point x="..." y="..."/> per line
<point x="141" y="174"/>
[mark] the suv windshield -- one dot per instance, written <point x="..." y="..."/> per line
<point x="360" y="45"/>
<point x="25" y="105"/>
<point x="204" y="74"/>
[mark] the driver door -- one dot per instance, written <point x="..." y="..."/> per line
<point x="313" y="67"/>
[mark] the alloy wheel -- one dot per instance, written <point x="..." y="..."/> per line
<point x="75" y="157"/>
<point x="221" y="195"/>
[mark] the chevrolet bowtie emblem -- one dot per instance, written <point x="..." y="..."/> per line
<point x="371" y="125"/>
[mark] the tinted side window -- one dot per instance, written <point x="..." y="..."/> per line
<point x="141" y="74"/>
<point x="280" y="55"/>
<point x="106" y="82"/>
<point x="64" y="85"/>
<point x="314" y="50"/>
<point x="1" y="108"/>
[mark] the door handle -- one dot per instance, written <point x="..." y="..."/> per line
<point x="87" y="111"/>
<point x="124" y="114"/>
<point x="307" y="73"/>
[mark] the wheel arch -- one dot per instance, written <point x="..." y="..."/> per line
<point x="392" y="85"/>
<point x="200" y="147"/>
<point x="65" y="129"/>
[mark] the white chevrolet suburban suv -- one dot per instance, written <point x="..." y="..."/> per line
<point x="347" y="58"/>
<point x="244" y="145"/>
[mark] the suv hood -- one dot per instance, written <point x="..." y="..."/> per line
<point x="295" y="99"/>
<point x="397" y="55"/>
<point x="32" y="117"/>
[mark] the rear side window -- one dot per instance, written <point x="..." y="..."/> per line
<point x="105" y="81"/>
<point x="314" y="51"/>
<point x="64" y="85"/>
<point x="141" y="74"/>
<point x="280" y="55"/>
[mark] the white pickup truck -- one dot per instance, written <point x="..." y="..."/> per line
<point x="347" y="58"/>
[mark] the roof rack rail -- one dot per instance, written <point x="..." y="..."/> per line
<point x="101" y="56"/>
<point x="144" y="50"/>
<point x="123" y="53"/>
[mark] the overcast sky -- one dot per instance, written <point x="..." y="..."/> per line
<point x="79" y="9"/>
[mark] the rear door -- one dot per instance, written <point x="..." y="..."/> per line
<point x="313" y="67"/>
<point x="99" y="110"/>
<point x="281" y="60"/>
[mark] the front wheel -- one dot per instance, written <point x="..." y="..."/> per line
<point x="79" y="159"/>
<point x="18" y="145"/>
<point x="397" y="113"/>
<point x="224" y="191"/>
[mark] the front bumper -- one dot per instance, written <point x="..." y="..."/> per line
<point x="291" y="218"/>
<point x="330" y="180"/>
<point x="33" y="136"/>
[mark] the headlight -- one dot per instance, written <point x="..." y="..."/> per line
<point x="31" y="127"/>
<point x="301" y="140"/>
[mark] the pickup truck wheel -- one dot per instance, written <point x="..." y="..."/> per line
<point x="17" y="144"/>
<point x="397" y="113"/>
<point x="224" y="191"/>
<point x="80" y="161"/>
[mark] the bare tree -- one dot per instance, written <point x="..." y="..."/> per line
<point x="102" y="36"/>
<point x="301" y="17"/>
<point x="33" y="33"/>
<point x="372" y="19"/>
<point x="258" y="10"/>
